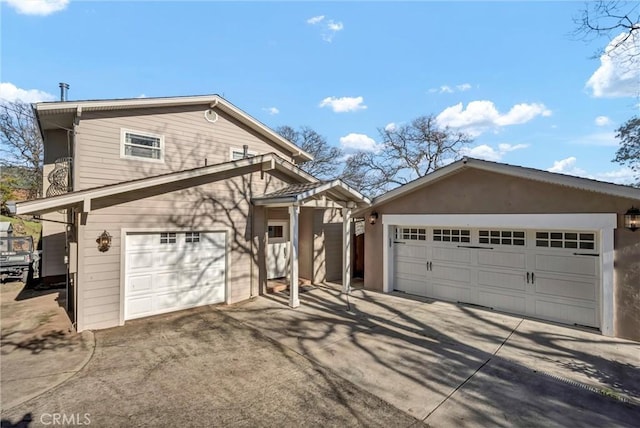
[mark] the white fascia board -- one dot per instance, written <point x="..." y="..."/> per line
<point x="213" y="100"/>
<point x="525" y="221"/>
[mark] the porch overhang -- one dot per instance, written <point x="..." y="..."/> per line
<point x="95" y="198"/>
<point x="329" y="194"/>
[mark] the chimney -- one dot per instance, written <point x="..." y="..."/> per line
<point x="64" y="87"/>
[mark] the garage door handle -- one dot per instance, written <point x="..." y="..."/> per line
<point x="527" y="277"/>
<point x="533" y="278"/>
<point x="399" y="242"/>
<point x="586" y="254"/>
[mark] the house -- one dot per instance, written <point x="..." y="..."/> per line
<point x="160" y="204"/>
<point x="513" y="239"/>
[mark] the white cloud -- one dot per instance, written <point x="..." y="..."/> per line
<point x="446" y="89"/>
<point x="597" y="139"/>
<point x="602" y="121"/>
<point x="391" y="127"/>
<point x="487" y="152"/>
<point x="335" y="26"/>
<point x="315" y="20"/>
<point x="271" y="110"/>
<point x="38" y="7"/>
<point x="10" y="92"/>
<point x="359" y="142"/>
<point x="567" y="166"/>
<point x="622" y="175"/>
<point x="619" y="71"/>
<point x="343" y="104"/>
<point x="142" y="96"/>
<point x="480" y="116"/>
<point x="329" y="27"/>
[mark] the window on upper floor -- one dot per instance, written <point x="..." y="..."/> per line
<point x="238" y="153"/>
<point x="142" y="145"/>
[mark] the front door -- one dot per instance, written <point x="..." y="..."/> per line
<point x="277" y="247"/>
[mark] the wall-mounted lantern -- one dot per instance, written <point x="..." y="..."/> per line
<point x="373" y="217"/>
<point x="632" y="219"/>
<point x="104" y="242"/>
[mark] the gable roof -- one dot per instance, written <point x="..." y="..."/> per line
<point x="336" y="190"/>
<point x="164" y="183"/>
<point x="515" y="171"/>
<point x="50" y="114"/>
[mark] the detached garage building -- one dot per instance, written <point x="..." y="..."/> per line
<point x="512" y="239"/>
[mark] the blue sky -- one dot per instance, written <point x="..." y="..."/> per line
<point x="508" y="73"/>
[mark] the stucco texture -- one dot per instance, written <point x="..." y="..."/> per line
<point x="473" y="191"/>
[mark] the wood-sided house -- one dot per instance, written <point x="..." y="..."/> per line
<point x="160" y="204"/>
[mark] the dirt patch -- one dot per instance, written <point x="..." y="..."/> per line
<point x="32" y="319"/>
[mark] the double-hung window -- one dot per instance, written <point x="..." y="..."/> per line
<point x="142" y="145"/>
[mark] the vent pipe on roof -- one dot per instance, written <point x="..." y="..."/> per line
<point x="245" y="151"/>
<point x="64" y="87"/>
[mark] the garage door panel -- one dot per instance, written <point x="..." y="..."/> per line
<point x="411" y="286"/>
<point x="451" y="255"/>
<point x="538" y="274"/>
<point x="503" y="302"/>
<point x="163" y="281"/>
<point x="505" y="280"/>
<point x="411" y="270"/>
<point x="139" y="260"/>
<point x="557" y="263"/>
<point x="451" y="293"/>
<point x="566" y="311"/>
<point x="502" y="259"/>
<point x="451" y="274"/>
<point x="565" y="287"/>
<point x="140" y="283"/>
<point x="164" y="277"/>
<point x="411" y="251"/>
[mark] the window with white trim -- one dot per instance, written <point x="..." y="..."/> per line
<point x="411" y="233"/>
<point x="574" y="240"/>
<point x="276" y="231"/>
<point x="502" y="237"/>
<point x="192" y="237"/>
<point x="142" y="145"/>
<point x="167" y="238"/>
<point x="452" y="235"/>
<point x="238" y="153"/>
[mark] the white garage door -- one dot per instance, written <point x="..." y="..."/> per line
<point x="170" y="271"/>
<point x="546" y="274"/>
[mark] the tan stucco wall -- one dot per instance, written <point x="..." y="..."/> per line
<point x="480" y="192"/>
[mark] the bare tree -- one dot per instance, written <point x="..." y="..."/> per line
<point x="629" y="151"/>
<point x="22" y="147"/>
<point x="326" y="159"/>
<point x="616" y="20"/>
<point x="405" y="153"/>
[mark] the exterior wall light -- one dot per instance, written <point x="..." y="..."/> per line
<point x="104" y="242"/>
<point x="632" y="219"/>
<point x="373" y="217"/>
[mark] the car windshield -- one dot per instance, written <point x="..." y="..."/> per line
<point x="15" y="244"/>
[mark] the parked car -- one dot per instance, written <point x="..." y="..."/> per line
<point x="16" y="257"/>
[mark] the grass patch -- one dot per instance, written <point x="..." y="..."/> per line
<point x="22" y="227"/>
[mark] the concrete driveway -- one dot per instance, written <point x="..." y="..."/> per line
<point x="451" y="365"/>
<point x="371" y="360"/>
<point x="202" y="368"/>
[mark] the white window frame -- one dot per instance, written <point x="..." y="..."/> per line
<point x="123" y="140"/>
<point x="233" y="150"/>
